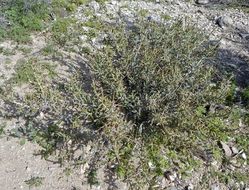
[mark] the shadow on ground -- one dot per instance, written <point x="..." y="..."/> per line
<point x="229" y="62"/>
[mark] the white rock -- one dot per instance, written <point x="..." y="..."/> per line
<point x="235" y="150"/>
<point x="114" y="2"/>
<point x="95" y="6"/>
<point x="202" y="2"/>
<point x="243" y="155"/>
<point x="226" y="149"/>
<point x="215" y="187"/>
<point x="28" y="169"/>
<point x="170" y="176"/>
<point x="151" y="165"/>
<point x="190" y="187"/>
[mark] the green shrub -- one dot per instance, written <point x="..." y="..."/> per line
<point x="245" y="96"/>
<point x="60" y="30"/>
<point x="31" y="71"/>
<point x="152" y="86"/>
<point x="155" y="75"/>
<point x="2" y="33"/>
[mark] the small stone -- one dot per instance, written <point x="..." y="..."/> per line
<point x="224" y="22"/>
<point x="51" y="168"/>
<point x="243" y="155"/>
<point x="226" y="149"/>
<point x="202" y="2"/>
<point x="162" y="183"/>
<point x="235" y="163"/>
<point x="28" y="169"/>
<point x="42" y="115"/>
<point x="172" y="188"/>
<point x="189" y="187"/>
<point x="241" y="123"/>
<point x="242" y="185"/>
<point x="83" y="38"/>
<point x="170" y="176"/>
<point x="215" y="187"/>
<point x="114" y="2"/>
<point x="95" y="6"/>
<point x="76" y="49"/>
<point x="151" y="165"/>
<point x="84" y="167"/>
<point x="235" y="150"/>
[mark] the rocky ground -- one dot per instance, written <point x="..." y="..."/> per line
<point x="21" y="168"/>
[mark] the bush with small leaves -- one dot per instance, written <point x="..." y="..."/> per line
<point x="152" y="90"/>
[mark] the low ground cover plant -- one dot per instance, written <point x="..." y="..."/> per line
<point x="19" y="18"/>
<point x="23" y="16"/>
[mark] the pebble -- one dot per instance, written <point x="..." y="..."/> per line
<point x="170" y="176"/>
<point x="224" y="22"/>
<point x="235" y="150"/>
<point x="28" y="169"/>
<point x="95" y="6"/>
<point x="215" y="187"/>
<point x="243" y="155"/>
<point x="202" y="2"/>
<point x="172" y="188"/>
<point x="189" y="187"/>
<point x="226" y="149"/>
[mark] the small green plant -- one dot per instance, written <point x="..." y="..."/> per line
<point x="8" y="52"/>
<point x="231" y="94"/>
<point x="25" y="16"/>
<point x="93" y="23"/>
<point x="49" y="49"/>
<point x="60" y="30"/>
<point x="22" y="142"/>
<point x="8" y="61"/>
<point x="34" y="182"/>
<point x="101" y="1"/>
<point x="143" y="12"/>
<point x="245" y="95"/>
<point x="25" y="50"/>
<point x="2" y="126"/>
<point x="92" y="177"/>
<point x="3" y="34"/>
<point x="166" y="17"/>
<point x="67" y="171"/>
<point x="31" y="71"/>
